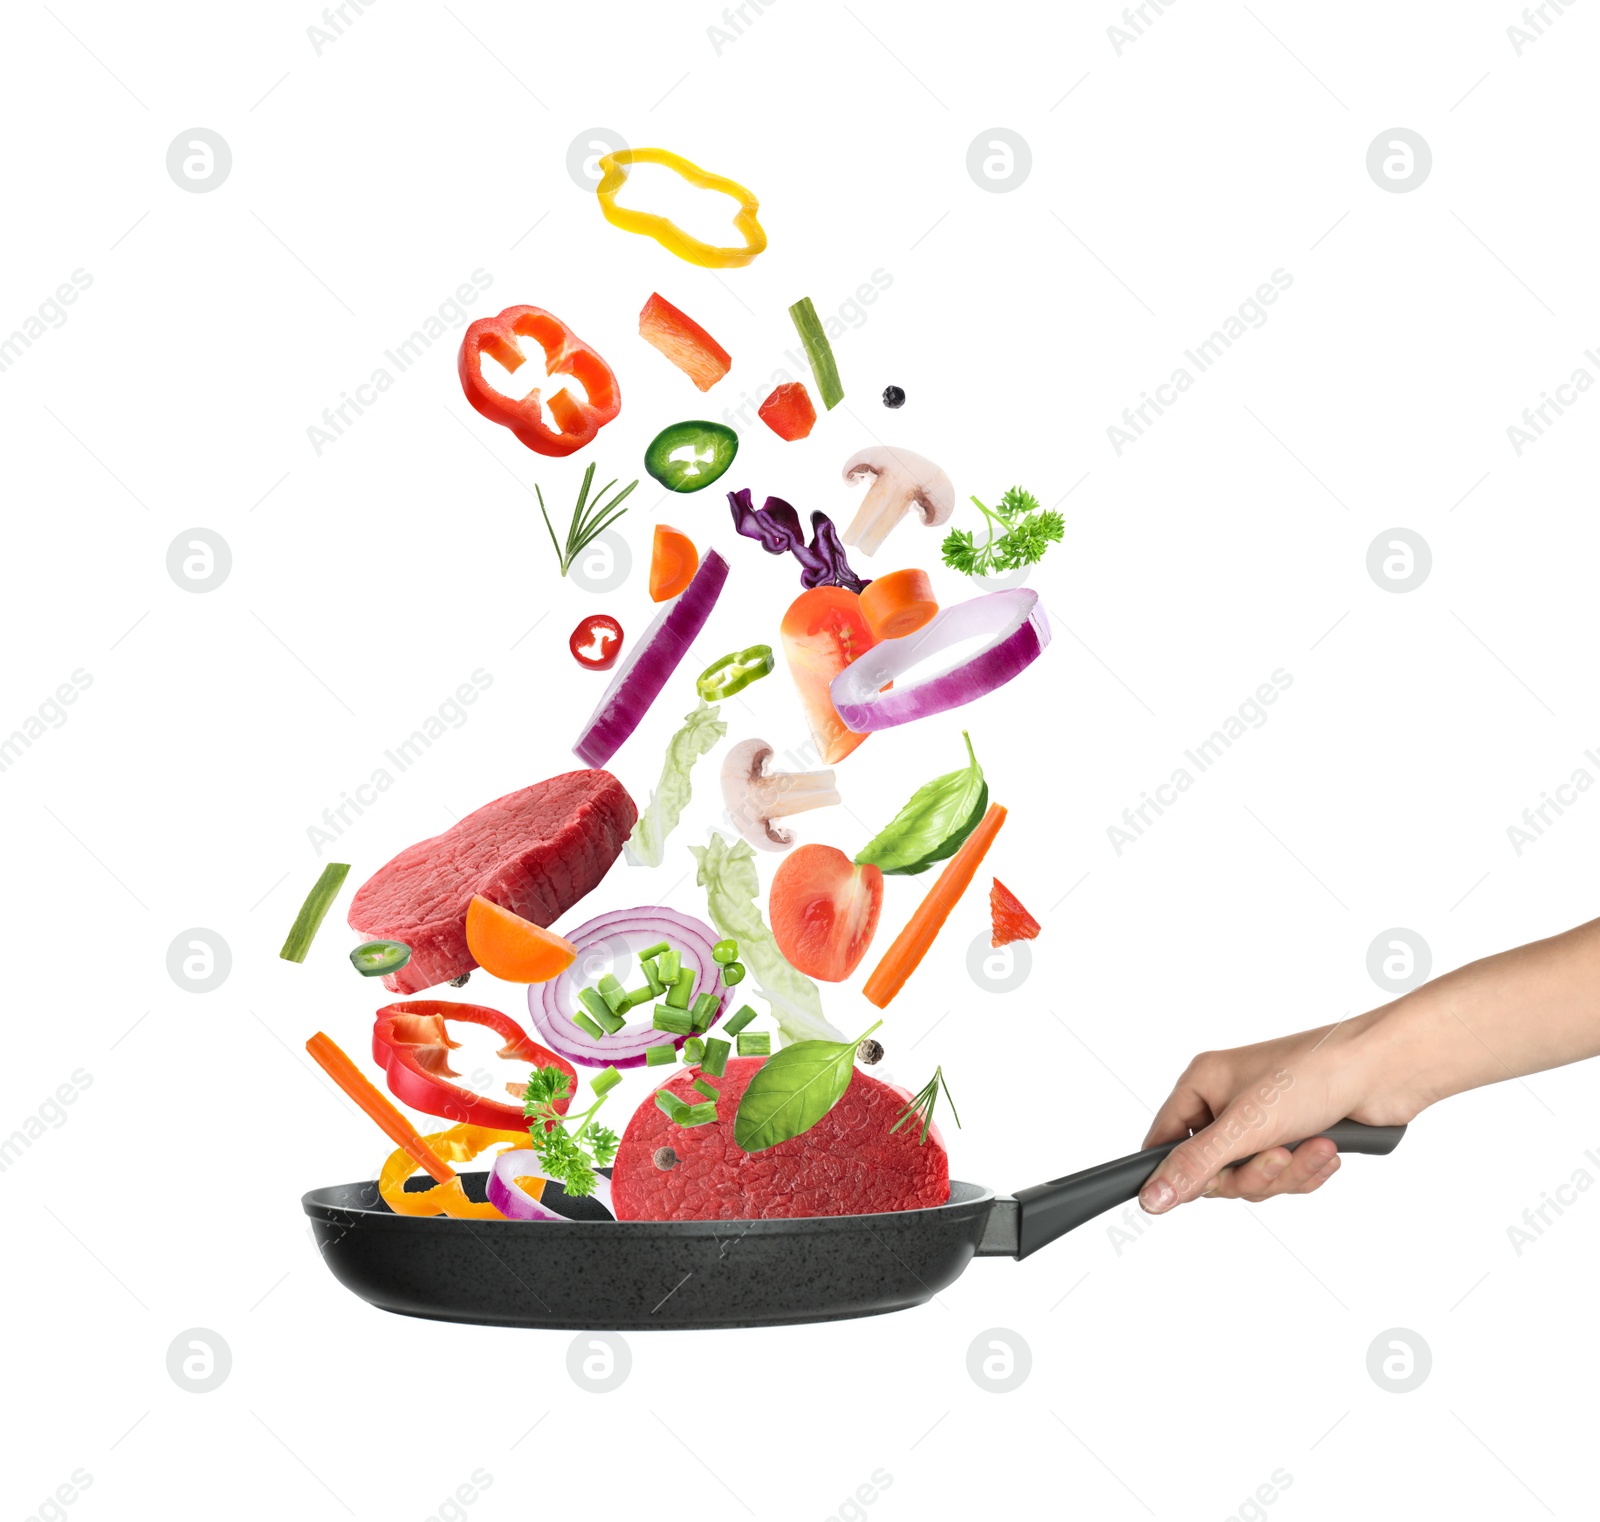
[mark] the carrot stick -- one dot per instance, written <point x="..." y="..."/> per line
<point x="912" y="944"/>
<point x="332" y="1060"/>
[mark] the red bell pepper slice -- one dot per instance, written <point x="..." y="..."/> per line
<point x="788" y="412"/>
<point x="411" y="1044"/>
<point x="564" y="354"/>
<point x="684" y="342"/>
<point x="596" y="642"/>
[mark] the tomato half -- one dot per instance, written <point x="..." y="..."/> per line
<point x="823" y="631"/>
<point x="824" y="911"/>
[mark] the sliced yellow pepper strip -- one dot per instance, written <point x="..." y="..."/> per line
<point x="614" y="174"/>
<point x="460" y="1144"/>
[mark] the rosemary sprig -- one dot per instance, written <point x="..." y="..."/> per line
<point x="922" y="1105"/>
<point x="589" y="520"/>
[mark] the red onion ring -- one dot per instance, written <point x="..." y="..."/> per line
<point x="1014" y="627"/>
<point x="550" y="1005"/>
<point x="517" y="1204"/>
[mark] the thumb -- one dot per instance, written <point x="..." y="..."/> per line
<point x="1188" y="1170"/>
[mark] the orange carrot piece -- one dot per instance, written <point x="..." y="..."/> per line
<point x="912" y="944"/>
<point x="673" y="562"/>
<point x="507" y="946"/>
<point x="331" y="1059"/>
<point x="897" y="603"/>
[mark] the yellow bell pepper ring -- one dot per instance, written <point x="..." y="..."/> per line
<point x="460" y="1144"/>
<point x="614" y="174"/>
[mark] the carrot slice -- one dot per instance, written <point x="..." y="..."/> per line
<point x="912" y="944"/>
<point x="900" y="602"/>
<point x="507" y="946"/>
<point x="332" y="1060"/>
<point x="673" y="562"/>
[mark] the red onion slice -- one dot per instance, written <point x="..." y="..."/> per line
<point x="517" y="1204"/>
<point x="550" y="1005"/>
<point x="1012" y="625"/>
<point x="655" y="656"/>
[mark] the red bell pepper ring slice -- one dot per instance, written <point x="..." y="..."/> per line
<point x="564" y="354"/>
<point x="411" y="1044"/>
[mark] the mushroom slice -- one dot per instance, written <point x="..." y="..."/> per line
<point x="755" y="796"/>
<point x="902" y="481"/>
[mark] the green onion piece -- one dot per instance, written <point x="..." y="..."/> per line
<point x="702" y="1010"/>
<point x="600" y="1011"/>
<point x="314" y="910"/>
<point x="635" y="998"/>
<point x="715" y="1061"/>
<point x="733" y="973"/>
<point x="654" y="951"/>
<point x="586" y="1025"/>
<point x="682" y="987"/>
<point x="697" y="1115"/>
<point x="668" y="965"/>
<point x="737" y="1021"/>
<point x="693" y="1049"/>
<point x="725" y="952"/>
<point x="666" y="1018"/>
<point x="818" y="351"/>
<point x="710" y="1090"/>
<point x="674" y="1106"/>
<point x="612" y="991"/>
<point x="755" y="1043"/>
<point x="652" y="976"/>
<point x="660" y="1055"/>
<point x="605" y="1081"/>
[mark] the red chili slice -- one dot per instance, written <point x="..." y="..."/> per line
<point x="788" y="412"/>
<point x="596" y="642"/>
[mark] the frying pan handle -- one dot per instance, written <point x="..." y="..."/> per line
<point x="1048" y="1211"/>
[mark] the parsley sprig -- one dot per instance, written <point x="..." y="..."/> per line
<point x="922" y="1105"/>
<point x="569" y="1157"/>
<point x="1020" y="531"/>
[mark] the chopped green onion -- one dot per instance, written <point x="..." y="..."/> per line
<point x="818" y="351"/>
<point x="652" y="976"/>
<point x="755" y="1043"/>
<point x="666" y="1018"/>
<point x="693" y="1049"/>
<point x="600" y="1010"/>
<point x="674" y="1107"/>
<point x="715" y="1061"/>
<point x="605" y="1081"/>
<point x="737" y="1021"/>
<point x="696" y="1115"/>
<point x="725" y="952"/>
<point x="710" y="1090"/>
<point x="314" y="910"/>
<point x="668" y="965"/>
<point x="703" y="1009"/>
<point x="612" y="991"/>
<point x="654" y="951"/>
<point x="682" y="987"/>
<point x="635" y="998"/>
<point x="733" y="973"/>
<point x="586" y="1025"/>
<point x="660" y="1055"/>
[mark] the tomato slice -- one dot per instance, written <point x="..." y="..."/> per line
<point x="824" y="911"/>
<point x="823" y="631"/>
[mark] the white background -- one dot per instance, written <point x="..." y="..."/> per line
<point x="1170" y="1378"/>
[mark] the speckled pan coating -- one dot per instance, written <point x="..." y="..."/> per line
<point x="643" y="1275"/>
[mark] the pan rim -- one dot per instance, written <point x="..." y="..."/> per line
<point x="319" y="1208"/>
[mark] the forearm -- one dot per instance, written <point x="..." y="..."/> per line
<point x="1519" y="1012"/>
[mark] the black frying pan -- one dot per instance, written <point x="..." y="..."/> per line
<point x="642" y="1275"/>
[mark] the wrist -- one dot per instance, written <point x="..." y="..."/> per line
<point x="1405" y="1058"/>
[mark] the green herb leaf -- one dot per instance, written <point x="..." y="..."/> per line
<point x="701" y="731"/>
<point x="922" y="1105"/>
<point x="931" y="827"/>
<point x="589" y="521"/>
<point x="793" y="1090"/>
<point x="1025" y="532"/>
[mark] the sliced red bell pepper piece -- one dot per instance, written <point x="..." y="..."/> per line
<point x="684" y="342"/>
<point x="788" y="411"/>
<point x="411" y="1044"/>
<point x="577" y="422"/>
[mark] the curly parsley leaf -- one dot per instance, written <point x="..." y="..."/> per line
<point x="569" y="1157"/>
<point x="1020" y="531"/>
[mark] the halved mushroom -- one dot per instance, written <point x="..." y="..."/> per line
<point x="755" y="796"/>
<point x="902" y="481"/>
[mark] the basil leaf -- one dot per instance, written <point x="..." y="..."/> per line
<point x="953" y="842"/>
<point x="792" y="1091"/>
<point x="940" y="815"/>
